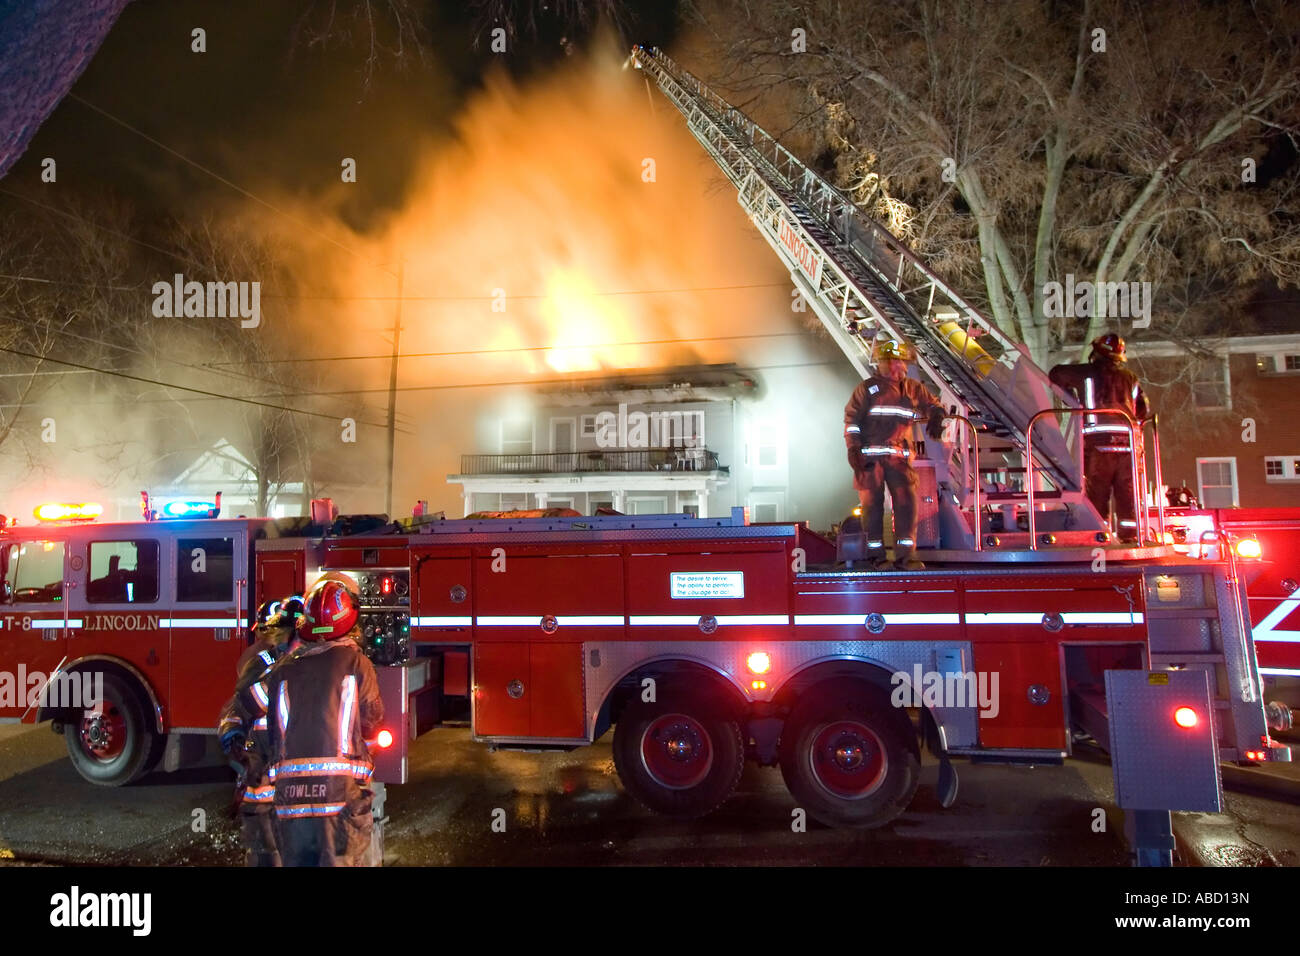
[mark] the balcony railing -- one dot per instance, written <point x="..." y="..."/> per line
<point x="600" y="460"/>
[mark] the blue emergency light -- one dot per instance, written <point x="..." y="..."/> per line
<point x="189" y="509"/>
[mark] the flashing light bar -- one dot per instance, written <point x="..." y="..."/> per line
<point x="55" y="511"/>
<point x="187" y="509"/>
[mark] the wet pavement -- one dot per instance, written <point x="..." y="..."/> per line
<point x="467" y="806"/>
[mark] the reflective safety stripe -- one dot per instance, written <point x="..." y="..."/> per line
<point x="442" y="621"/>
<point x="311" y="810"/>
<point x="48" y="625"/>
<point x="348" y="702"/>
<point x="1125" y="521"/>
<point x="886" y="450"/>
<point x="1094" y="429"/>
<point x="906" y="542"/>
<point x="681" y="620"/>
<point x="260" y="794"/>
<point x="259" y="692"/>
<point x="875" y="544"/>
<point x="1113" y="448"/>
<point x="282" y="710"/>
<point x="266" y="657"/>
<point x="1089" y="401"/>
<point x="896" y="411"/>
<point x="184" y="622"/>
<point x="861" y="620"/>
<point x="1069" y="617"/>
<point x="1279" y="672"/>
<point x="323" y="767"/>
<point x="852" y="430"/>
<point x="259" y="724"/>
<point x="592" y="620"/>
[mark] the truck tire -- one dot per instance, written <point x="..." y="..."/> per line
<point x="679" y="756"/>
<point x="114" y="748"/>
<point x="847" y="756"/>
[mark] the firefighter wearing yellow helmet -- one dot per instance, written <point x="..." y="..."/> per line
<point x="878" y="434"/>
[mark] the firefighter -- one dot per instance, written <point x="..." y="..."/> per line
<point x="243" y="736"/>
<point x="1104" y="381"/>
<point x="877" y="430"/>
<point x="322" y="703"/>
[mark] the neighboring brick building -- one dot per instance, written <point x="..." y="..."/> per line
<point x="1208" y="396"/>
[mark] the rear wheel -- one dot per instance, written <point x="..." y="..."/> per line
<point x="847" y="756"/>
<point x="680" y="756"/>
<point x="113" y="747"/>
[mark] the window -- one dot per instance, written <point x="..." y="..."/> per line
<point x="1282" y="468"/>
<point x="205" y="569"/>
<point x="122" y="572"/>
<point x="588" y="429"/>
<point x="595" y="503"/>
<point x="1291" y="363"/>
<point x="1217" y="482"/>
<point x="34" y="572"/>
<point x="517" y="437"/>
<point x="647" y="506"/>
<point x="766" y="507"/>
<point x="769" y="445"/>
<point x="1210" y="385"/>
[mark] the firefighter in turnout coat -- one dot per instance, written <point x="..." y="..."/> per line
<point x="878" y="431"/>
<point x="322" y="703"/>
<point x="243" y="737"/>
<point x="1104" y="381"/>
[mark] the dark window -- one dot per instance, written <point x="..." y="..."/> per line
<point x="34" y="572"/>
<point x="1273" y="466"/>
<point x="122" y="572"/>
<point x="205" y="569"/>
<point x="1292" y="363"/>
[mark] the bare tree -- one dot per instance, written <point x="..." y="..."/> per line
<point x="1018" y="142"/>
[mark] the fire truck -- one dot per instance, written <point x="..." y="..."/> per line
<point x="706" y="642"/>
<point x="154" y="613"/>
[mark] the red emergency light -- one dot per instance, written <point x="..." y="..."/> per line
<point x="1186" y="717"/>
<point x="384" y="739"/>
<point x="57" y="511"/>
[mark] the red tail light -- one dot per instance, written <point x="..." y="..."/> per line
<point x="384" y="740"/>
<point x="1186" y="717"/>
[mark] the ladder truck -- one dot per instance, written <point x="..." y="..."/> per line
<point x="862" y="282"/>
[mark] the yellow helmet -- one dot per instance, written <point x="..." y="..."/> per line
<point x="889" y="349"/>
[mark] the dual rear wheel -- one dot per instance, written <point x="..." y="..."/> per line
<point x="847" y="756"/>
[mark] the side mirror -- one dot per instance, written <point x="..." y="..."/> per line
<point x="8" y="593"/>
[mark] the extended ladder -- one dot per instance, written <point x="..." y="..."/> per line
<point x="863" y="282"/>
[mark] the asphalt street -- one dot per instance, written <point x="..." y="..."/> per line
<point x="467" y="806"/>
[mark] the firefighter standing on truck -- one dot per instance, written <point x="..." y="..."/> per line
<point x="878" y="430"/>
<point x="1104" y="381"/>
<point x="321" y="704"/>
<point x="243" y="737"/>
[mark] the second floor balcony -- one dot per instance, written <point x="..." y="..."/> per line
<point x="626" y="460"/>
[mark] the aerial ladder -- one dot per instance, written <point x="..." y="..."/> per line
<point x="864" y="283"/>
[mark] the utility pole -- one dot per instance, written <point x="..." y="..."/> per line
<point x="392" y="389"/>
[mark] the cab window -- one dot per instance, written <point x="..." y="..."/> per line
<point x="34" y="572"/>
<point x="205" y="569"/>
<point x="122" y="572"/>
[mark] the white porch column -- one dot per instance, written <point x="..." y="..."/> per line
<point x="541" y="500"/>
<point x="704" y="503"/>
<point x="468" y="497"/>
<point x="618" y="501"/>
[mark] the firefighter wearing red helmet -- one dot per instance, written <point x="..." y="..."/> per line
<point x="321" y="705"/>
<point x="1104" y="381"/>
<point x="243" y="734"/>
<point x="877" y="431"/>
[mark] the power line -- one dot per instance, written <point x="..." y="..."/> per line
<point x="184" y="388"/>
<point x="221" y="179"/>
<point x="524" y="348"/>
<point x="524" y="382"/>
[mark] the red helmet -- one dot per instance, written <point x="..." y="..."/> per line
<point x="1109" y="344"/>
<point x="331" y="612"/>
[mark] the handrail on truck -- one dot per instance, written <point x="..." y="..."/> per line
<point x="1139" y="516"/>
